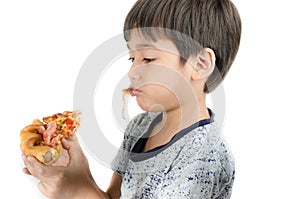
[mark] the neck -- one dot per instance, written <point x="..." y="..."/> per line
<point x="175" y="120"/>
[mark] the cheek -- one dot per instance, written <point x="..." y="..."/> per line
<point x="157" y="98"/>
<point x="165" y="95"/>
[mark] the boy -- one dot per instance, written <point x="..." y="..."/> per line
<point x="180" y="50"/>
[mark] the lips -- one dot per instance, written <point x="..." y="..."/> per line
<point x="132" y="91"/>
<point x="135" y="92"/>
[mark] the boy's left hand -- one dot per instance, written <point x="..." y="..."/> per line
<point x="67" y="178"/>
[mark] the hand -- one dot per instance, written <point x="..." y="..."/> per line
<point x="69" y="177"/>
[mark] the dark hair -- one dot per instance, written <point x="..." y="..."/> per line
<point x="214" y="24"/>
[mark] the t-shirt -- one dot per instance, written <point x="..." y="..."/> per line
<point x="196" y="163"/>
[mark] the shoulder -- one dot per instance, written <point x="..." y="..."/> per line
<point x="209" y="142"/>
<point x="206" y="162"/>
<point x="207" y="153"/>
<point x="217" y="160"/>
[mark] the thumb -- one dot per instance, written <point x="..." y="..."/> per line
<point x="73" y="147"/>
<point x="70" y="143"/>
<point x="67" y="143"/>
<point x="76" y="154"/>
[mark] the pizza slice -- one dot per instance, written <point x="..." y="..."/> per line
<point x="42" y="139"/>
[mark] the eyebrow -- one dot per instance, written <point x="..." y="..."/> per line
<point x="144" y="45"/>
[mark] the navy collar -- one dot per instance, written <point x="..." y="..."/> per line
<point x="136" y="154"/>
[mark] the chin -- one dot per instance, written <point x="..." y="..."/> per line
<point x="141" y="104"/>
<point x="149" y="107"/>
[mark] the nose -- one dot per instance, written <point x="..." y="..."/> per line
<point x="134" y="74"/>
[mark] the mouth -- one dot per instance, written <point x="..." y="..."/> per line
<point x="132" y="91"/>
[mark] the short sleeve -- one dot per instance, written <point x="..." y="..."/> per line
<point x="120" y="162"/>
<point x="205" y="172"/>
<point x="227" y="172"/>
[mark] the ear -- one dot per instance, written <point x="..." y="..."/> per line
<point x="205" y="64"/>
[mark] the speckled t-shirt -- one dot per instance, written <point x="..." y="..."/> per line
<point x="196" y="163"/>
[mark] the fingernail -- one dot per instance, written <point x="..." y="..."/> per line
<point x="29" y="158"/>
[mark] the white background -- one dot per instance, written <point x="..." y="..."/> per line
<point x="44" y="43"/>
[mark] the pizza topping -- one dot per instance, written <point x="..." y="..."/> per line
<point x="55" y="140"/>
<point x="42" y="138"/>
<point x="57" y="127"/>
<point x="49" y="133"/>
<point x="41" y="129"/>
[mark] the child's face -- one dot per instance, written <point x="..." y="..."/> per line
<point x="163" y="83"/>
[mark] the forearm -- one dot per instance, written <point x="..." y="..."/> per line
<point x="98" y="194"/>
<point x="91" y="191"/>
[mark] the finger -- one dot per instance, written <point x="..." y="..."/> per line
<point x="43" y="188"/>
<point x="26" y="171"/>
<point x="69" y="143"/>
<point x="63" y="160"/>
<point x="75" y="152"/>
<point x="33" y="166"/>
<point x="22" y="151"/>
<point x="38" y="169"/>
<point x="72" y="146"/>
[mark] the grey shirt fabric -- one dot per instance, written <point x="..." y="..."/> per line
<point x="196" y="163"/>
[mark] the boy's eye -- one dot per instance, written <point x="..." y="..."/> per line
<point x="148" y="60"/>
<point x="131" y="59"/>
